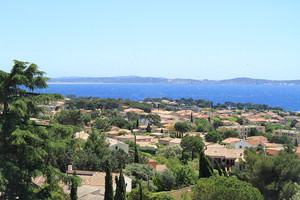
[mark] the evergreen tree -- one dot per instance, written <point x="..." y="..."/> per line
<point x="296" y="143"/>
<point x="137" y="123"/>
<point x="218" y="167"/>
<point x="141" y="190"/>
<point x="136" y="155"/>
<point x="192" y="118"/>
<point x="205" y="166"/>
<point x="120" y="187"/>
<point x="25" y="148"/>
<point x="224" y="170"/>
<point x="74" y="185"/>
<point x="148" y="129"/>
<point x="109" y="192"/>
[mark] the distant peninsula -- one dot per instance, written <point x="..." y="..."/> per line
<point x="158" y="80"/>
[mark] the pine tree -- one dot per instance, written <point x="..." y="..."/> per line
<point x="109" y="192"/>
<point x="24" y="147"/>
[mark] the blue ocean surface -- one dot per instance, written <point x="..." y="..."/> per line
<point x="284" y="96"/>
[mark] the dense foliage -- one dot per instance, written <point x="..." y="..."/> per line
<point x="222" y="188"/>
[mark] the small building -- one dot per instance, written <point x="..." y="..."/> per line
<point x="81" y="135"/>
<point x="152" y="162"/>
<point x="231" y="141"/>
<point x="139" y="138"/>
<point x="245" y="144"/>
<point x="175" y="141"/>
<point x="274" y="151"/>
<point x="165" y="141"/>
<point x="260" y="139"/>
<point x="116" y="144"/>
<point x="227" y="156"/>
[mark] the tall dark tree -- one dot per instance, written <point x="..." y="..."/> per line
<point x="141" y="190"/>
<point x="252" y="132"/>
<point x="240" y="121"/>
<point x="192" y="118"/>
<point x="120" y="187"/>
<point x="109" y="192"/>
<point x="205" y="166"/>
<point x="137" y="123"/>
<point x="75" y="181"/>
<point x="148" y="129"/>
<point x="136" y="154"/>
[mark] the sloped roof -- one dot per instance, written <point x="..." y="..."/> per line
<point x="230" y="140"/>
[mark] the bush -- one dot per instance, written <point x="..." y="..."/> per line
<point x="150" y="150"/>
<point x="173" y="151"/>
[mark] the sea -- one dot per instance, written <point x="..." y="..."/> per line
<point x="285" y="96"/>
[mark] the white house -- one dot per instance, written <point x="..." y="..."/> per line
<point x="245" y="144"/>
<point x="116" y="144"/>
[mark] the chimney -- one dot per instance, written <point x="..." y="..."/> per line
<point x="70" y="168"/>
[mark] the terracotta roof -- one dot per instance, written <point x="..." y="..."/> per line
<point x="161" y="168"/>
<point x="253" y="142"/>
<point x="257" y="138"/>
<point x="230" y="140"/>
<point x="176" y="141"/>
<point x="167" y="139"/>
<point x="272" y="144"/>
<point x="223" y="152"/>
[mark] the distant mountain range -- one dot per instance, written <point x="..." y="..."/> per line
<point x="158" y="80"/>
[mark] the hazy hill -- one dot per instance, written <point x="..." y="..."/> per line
<point x="158" y="80"/>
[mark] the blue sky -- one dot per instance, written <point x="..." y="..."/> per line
<point x="173" y="39"/>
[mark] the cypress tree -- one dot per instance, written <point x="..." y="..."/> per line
<point x="74" y="185"/>
<point x="224" y="170"/>
<point x="296" y="143"/>
<point x="205" y="167"/>
<point x="192" y="118"/>
<point x="148" y="129"/>
<point x="120" y="187"/>
<point x="218" y="167"/>
<point x="141" y="190"/>
<point x="136" y="155"/>
<point x="118" y="192"/>
<point x="137" y="123"/>
<point x="109" y="192"/>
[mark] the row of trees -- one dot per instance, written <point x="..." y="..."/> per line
<point x="93" y="103"/>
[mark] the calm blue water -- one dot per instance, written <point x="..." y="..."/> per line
<point x="287" y="97"/>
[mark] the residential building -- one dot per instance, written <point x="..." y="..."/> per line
<point x="227" y="156"/>
<point x="294" y="135"/>
<point x="139" y="138"/>
<point x="93" y="183"/>
<point x="242" y="129"/>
